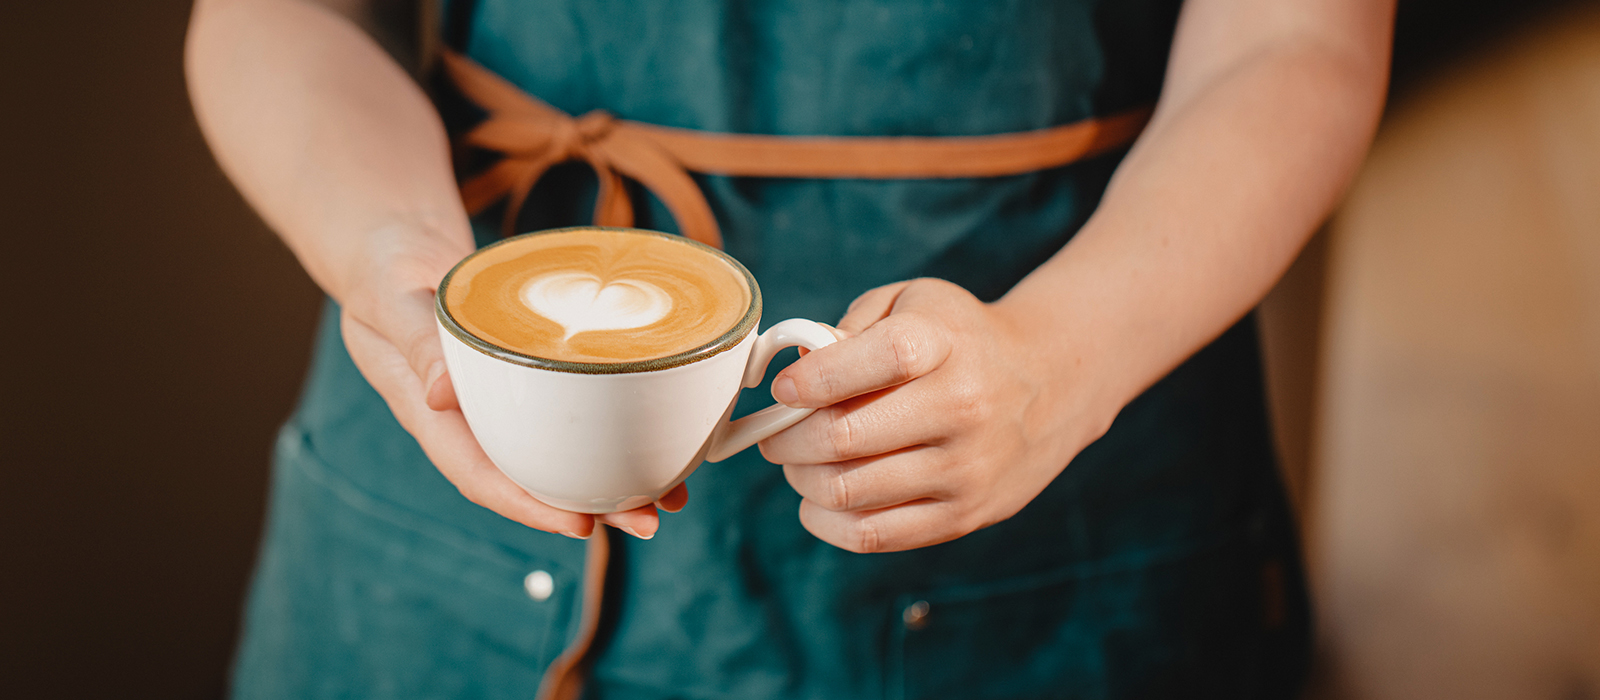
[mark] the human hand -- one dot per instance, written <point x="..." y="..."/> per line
<point x="388" y="325"/>
<point x="938" y="415"/>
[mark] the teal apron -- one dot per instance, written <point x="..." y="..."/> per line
<point x="1160" y="563"/>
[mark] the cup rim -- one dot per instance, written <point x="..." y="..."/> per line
<point x="729" y="339"/>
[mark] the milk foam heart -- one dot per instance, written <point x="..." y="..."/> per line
<point x="581" y="302"/>
<point x="598" y="296"/>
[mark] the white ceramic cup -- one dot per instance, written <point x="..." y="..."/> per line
<point x="607" y="437"/>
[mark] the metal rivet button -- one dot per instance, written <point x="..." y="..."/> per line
<point x="539" y="584"/>
<point x="916" y="615"/>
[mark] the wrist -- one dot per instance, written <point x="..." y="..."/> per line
<point x="1079" y="388"/>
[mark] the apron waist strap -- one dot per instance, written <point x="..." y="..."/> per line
<point x="533" y="136"/>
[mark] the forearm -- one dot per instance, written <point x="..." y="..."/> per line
<point x="1204" y="215"/>
<point x="330" y="141"/>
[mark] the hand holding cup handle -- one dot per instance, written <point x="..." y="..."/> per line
<point x="732" y="437"/>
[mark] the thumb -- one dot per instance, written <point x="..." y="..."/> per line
<point x="407" y="321"/>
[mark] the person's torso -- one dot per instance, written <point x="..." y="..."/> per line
<point x="733" y="598"/>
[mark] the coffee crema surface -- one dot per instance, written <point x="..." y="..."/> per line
<point x="597" y="295"/>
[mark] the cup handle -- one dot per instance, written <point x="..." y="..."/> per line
<point x="734" y="436"/>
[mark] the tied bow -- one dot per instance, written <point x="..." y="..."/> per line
<point x="534" y="136"/>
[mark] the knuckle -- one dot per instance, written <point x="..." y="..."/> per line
<point x="967" y="403"/>
<point x="977" y="516"/>
<point x="865" y="537"/>
<point x="841" y="437"/>
<point x="1098" y="428"/>
<point x="812" y="380"/>
<point x="954" y="471"/>
<point x="906" y="351"/>
<point x="837" y="496"/>
<point x="418" y="353"/>
<point x="931" y="290"/>
<point x="967" y="522"/>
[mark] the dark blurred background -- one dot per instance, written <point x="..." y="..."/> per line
<point x="157" y="337"/>
<point x="157" y="334"/>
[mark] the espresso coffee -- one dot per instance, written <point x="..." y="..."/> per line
<point x="597" y="295"/>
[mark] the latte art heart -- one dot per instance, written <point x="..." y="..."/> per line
<point x="580" y="302"/>
<point x="597" y="296"/>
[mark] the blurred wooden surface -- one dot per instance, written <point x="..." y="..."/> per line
<point x="1456" y="509"/>
<point x="1291" y="321"/>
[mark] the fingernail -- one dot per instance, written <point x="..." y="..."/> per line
<point x="577" y="536"/>
<point x="635" y="533"/>
<point x="783" y="390"/>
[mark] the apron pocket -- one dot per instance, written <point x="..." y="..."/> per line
<point x="356" y="597"/>
<point x="1188" y="625"/>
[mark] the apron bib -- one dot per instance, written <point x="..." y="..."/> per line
<point x="1161" y="563"/>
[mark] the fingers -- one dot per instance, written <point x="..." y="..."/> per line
<point x="645" y="521"/>
<point x="916" y="524"/>
<point x="407" y="322"/>
<point x="910" y="474"/>
<point x="866" y="310"/>
<point x="893" y="351"/>
<point x="641" y="522"/>
<point x="391" y="289"/>
<point x="449" y="443"/>
<point x="863" y="427"/>
<point x="837" y="334"/>
<point x="675" y="499"/>
<point x="871" y="307"/>
<point x="441" y="394"/>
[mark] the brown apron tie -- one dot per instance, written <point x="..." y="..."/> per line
<point x="534" y="136"/>
<point x="563" y="680"/>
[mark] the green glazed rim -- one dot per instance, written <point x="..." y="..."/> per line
<point x="729" y="339"/>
